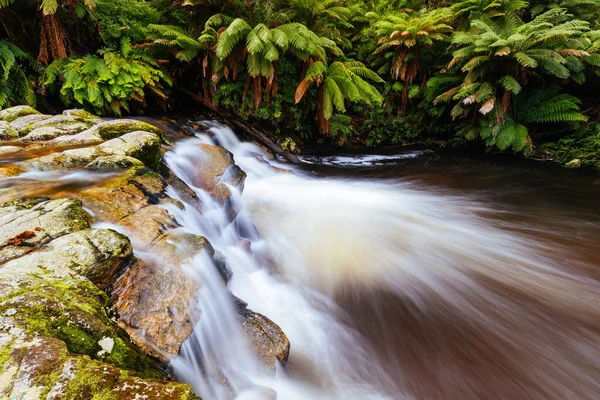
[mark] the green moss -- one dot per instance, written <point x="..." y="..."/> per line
<point x="89" y="382"/>
<point x="74" y="312"/>
<point x="118" y="128"/>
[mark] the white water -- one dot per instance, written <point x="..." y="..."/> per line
<point x="312" y="322"/>
<point x="325" y="238"/>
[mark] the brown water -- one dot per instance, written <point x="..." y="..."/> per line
<point x="469" y="279"/>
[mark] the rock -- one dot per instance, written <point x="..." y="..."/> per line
<point x="574" y="164"/>
<point x="26" y="226"/>
<point x="266" y="338"/>
<point x="144" y="146"/>
<point x="114" y="162"/>
<point x="52" y="300"/>
<point x="216" y="169"/>
<point x="125" y="194"/>
<point x="8" y="170"/>
<point x="155" y="297"/>
<point x="59" y="121"/>
<point x="24" y="125"/>
<point x="104" y="131"/>
<point x="7" y="132"/>
<point x="10" y="114"/>
<point x="50" y="132"/>
<point x="58" y="337"/>
<point x="98" y="254"/>
<point x="84" y="115"/>
<point x="42" y="367"/>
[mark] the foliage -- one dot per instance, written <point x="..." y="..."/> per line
<point x="337" y="83"/>
<point x="108" y="83"/>
<point x="124" y="19"/>
<point x="15" y="87"/>
<point x="498" y="72"/>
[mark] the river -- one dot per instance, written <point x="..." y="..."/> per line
<point x="409" y="274"/>
<point x="424" y="275"/>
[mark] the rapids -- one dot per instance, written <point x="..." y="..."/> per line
<point x="412" y="275"/>
<point x="391" y="288"/>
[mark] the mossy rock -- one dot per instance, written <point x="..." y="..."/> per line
<point x="10" y="114"/>
<point x="24" y="125"/>
<point x="118" y="127"/>
<point x="114" y="162"/>
<point x="46" y="296"/>
<point x="7" y="132"/>
<point x="39" y="367"/>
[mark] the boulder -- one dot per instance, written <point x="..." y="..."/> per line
<point x="124" y="195"/>
<point x="267" y="340"/>
<point x="155" y="297"/>
<point x="59" y="338"/>
<point x="10" y="114"/>
<point x="46" y="133"/>
<point x="215" y="170"/>
<point x="43" y="368"/>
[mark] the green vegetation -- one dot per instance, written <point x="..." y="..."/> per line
<point x="510" y="75"/>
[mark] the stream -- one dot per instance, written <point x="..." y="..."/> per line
<point x="408" y="274"/>
<point x="411" y="275"/>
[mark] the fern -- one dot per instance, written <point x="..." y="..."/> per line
<point x="110" y="82"/>
<point x="15" y="87"/>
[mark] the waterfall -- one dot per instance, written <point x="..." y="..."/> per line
<point x="216" y="360"/>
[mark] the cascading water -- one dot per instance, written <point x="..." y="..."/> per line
<point x="216" y="359"/>
<point x="385" y="290"/>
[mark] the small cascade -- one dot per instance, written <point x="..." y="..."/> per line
<point x="216" y="359"/>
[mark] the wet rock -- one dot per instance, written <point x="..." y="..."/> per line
<point x="84" y="115"/>
<point x="125" y="194"/>
<point x="215" y="170"/>
<point x="98" y="254"/>
<point x="102" y="132"/>
<point x="268" y="341"/>
<point x="25" y="226"/>
<point x="58" y="335"/>
<point x="39" y="367"/>
<point x="155" y="297"/>
<point x="50" y="299"/>
<point x="7" y="132"/>
<point x="144" y="146"/>
<point x="24" y="125"/>
<point x="8" y="170"/>
<point x="60" y="121"/>
<point x="10" y="114"/>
